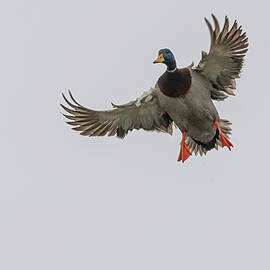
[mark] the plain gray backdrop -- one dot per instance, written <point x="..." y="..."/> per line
<point x="72" y="202"/>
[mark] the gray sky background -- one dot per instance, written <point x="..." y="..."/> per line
<point x="71" y="202"/>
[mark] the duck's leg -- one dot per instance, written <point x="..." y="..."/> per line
<point x="184" y="151"/>
<point x="224" y="140"/>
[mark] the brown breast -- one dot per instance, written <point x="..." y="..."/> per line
<point x="175" y="84"/>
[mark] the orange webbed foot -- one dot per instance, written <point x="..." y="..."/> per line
<point x="184" y="152"/>
<point x="224" y="140"/>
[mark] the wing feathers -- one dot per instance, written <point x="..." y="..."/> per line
<point x="146" y="115"/>
<point x="217" y="31"/>
<point x="225" y="59"/>
<point x="224" y="30"/>
<point x="210" y="30"/>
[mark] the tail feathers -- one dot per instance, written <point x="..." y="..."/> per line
<point x="199" y="148"/>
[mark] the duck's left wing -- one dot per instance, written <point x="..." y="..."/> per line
<point x="142" y="113"/>
<point x="223" y="64"/>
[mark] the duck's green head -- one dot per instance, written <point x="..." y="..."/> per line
<point x="166" y="57"/>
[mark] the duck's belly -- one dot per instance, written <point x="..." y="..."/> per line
<point x="194" y="113"/>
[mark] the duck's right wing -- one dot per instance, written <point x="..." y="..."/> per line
<point x="143" y="113"/>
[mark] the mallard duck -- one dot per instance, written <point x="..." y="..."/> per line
<point x="182" y="97"/>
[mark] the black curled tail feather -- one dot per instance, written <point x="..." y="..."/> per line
<point x="202" y="148"/>
<point x="209" y="145"/>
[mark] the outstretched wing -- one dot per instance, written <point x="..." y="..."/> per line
<point x="143" y="113"/>
<point x="223" y="64"/>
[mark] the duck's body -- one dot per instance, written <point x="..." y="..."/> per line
<point x="196" y="116"/>
<point x="181" y="96"/>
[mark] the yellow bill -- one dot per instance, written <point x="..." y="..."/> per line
<point x="160" y="59"/>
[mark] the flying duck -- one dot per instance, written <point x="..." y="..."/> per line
<point x="182" y="97"/>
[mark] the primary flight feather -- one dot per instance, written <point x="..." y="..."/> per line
<point x="182" y="96"/>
